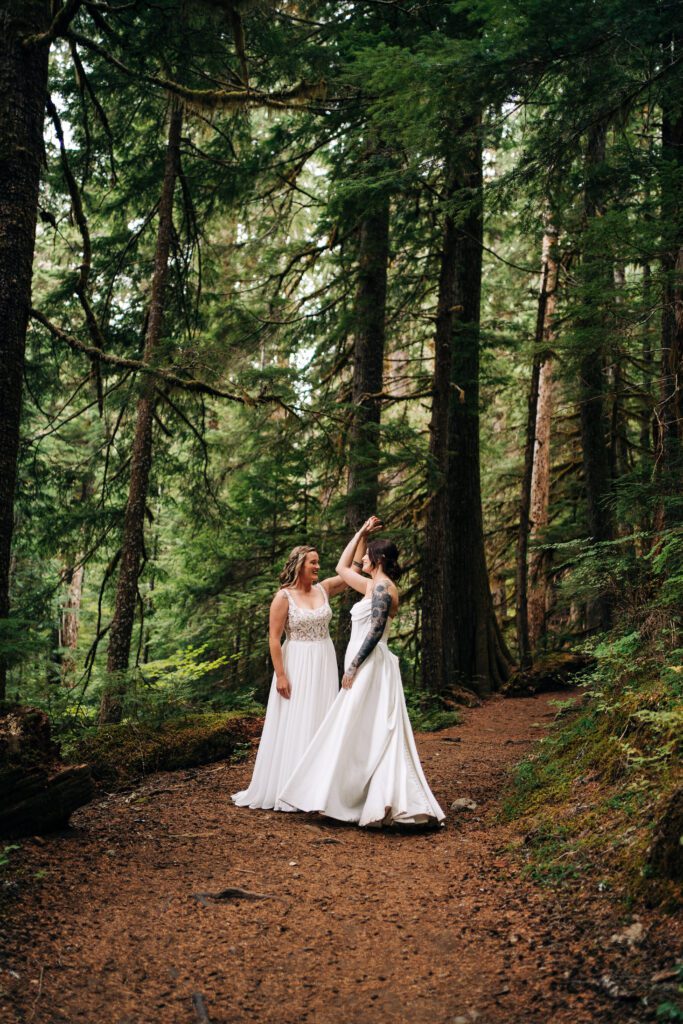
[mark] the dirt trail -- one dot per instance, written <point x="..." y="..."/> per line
<point x="360" y="926"/>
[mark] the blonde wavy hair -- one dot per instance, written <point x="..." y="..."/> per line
<point x="293" y="565"/>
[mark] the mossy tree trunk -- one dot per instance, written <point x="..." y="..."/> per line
<point x="23" y="93"/>
<point x="534" y="499"/>
<point x="670" y="410"/>
<point x="592" y="398"/>
<point x="132" y="549"/>
<point x="539" y="567"/>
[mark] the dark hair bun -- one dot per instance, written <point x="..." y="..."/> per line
<point x="385" y="553"/>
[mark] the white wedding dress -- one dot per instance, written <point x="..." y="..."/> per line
<point x="362" y="764"/>
<point x="311" y="667"/>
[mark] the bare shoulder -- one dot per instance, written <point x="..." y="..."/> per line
<point x="280" y="597"/>
<point x="387" y="589"/>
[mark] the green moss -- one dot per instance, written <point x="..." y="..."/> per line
<point x="121" y="754"/>
<point x="430" y="712"/>
<point x="588" y="793"/>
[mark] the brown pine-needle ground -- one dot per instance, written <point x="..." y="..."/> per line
<point x="113" y="924"/>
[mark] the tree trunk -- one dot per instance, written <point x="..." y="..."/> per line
<point x="618" y="446"/>
<point x="70" y="624"/>
<point x="648" y="425"/>
<point x="538" y="598"/>
<point x="132" y="548"/>
<point x="368" y="364"/>
<point x="461" y="640"/>
<point x="532" y="448"/>
<point x="670" y="413"/>
<point x="436" y="615"/>
<point x="592" y="385"/>
<point x="70" y="613"/>
<point x="23" y="92"/>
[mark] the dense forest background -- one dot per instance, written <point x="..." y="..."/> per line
<point x="298" y="263"/>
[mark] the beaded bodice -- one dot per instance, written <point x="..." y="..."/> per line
<point x="308" y="623"/>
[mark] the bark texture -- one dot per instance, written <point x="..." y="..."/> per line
<point x="539" y="501"/>
<point x="37" y="800"/>
<point x="37" y="792"/>
<point x="436" y="610"/>
<point x="368" y="369"/>
<point x="132" y="549"/>
<point x="539" y="562"/>
<point x="670" y="411"/>
<point x="461" y="640"/>
<point x="618" y="441"/>
<point x="23" y="92"/>
<point x="368" y="363"/>
<point x="70" y="622"/>
<point x="530" y="453"/>
<point x="592" y="398"/>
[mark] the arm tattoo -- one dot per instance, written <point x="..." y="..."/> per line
<point x="381" y="606"/>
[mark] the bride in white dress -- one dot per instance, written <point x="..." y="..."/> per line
<point x="305" y="681"/>
<point x="362" y="764"/>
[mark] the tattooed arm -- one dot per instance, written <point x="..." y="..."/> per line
<point x="381" y="606"/>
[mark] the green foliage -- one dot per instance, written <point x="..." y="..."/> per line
<point x="591" y="790"/>
<point x="264" y="271"/>
<point x="6" y="854"/>
<point x="673" y="1010"/>
<point x="429" y="712"/>
<point x="551" y="862"/>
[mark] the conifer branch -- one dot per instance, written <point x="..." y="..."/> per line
<point x="82" y="224"/>
<point x="167" y="376"/>
<point x="215" y="99"/>
<point x="59" y="26"/>
<point x="94" y="99"/>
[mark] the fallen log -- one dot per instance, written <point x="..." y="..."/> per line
<point x="36" y="800"/>
<point x="553" y="672"/>
<point x="37" y="792"/>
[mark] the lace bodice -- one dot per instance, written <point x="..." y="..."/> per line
<point x="308" y="623"/>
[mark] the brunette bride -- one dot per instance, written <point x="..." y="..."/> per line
<point x="305" y="682"/>
<point x="362" y="764"/>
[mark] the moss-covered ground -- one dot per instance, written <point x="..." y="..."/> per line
<point x="592" y="792"/>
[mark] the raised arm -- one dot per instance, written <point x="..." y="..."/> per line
<point x="278" y="616"/>
<point x="337" y="584"/>
<point x="344" y="565"/>
<point x="381" y="606"/>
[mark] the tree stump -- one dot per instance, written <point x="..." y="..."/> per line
<point x="37" y="793"/>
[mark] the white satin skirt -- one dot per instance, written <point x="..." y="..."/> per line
<point x="362" y="765"/>
<point x="311" y="668"/>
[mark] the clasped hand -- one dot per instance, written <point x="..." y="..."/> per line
<point x="372" y="525"/>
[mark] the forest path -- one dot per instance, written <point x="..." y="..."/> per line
<point x="361" y="926"/>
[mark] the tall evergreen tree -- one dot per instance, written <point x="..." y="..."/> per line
<point x="24" y="48"/>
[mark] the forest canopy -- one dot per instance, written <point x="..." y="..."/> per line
<point x="267" y="269"/>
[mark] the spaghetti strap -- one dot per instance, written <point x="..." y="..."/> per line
<point x="326" y="596"/>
